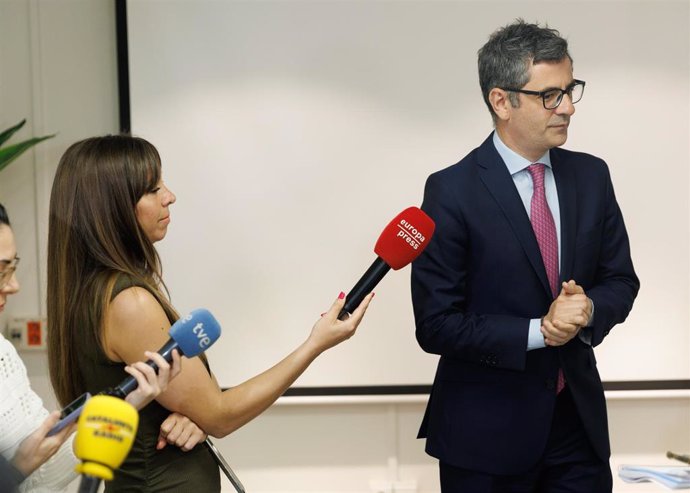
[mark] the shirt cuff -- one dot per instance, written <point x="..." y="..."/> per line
<point x="590" y="322"/>
<point x="535" y="339"/>
<point x="585" y="335"/>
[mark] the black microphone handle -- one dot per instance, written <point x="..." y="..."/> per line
<point x="89" y="484"/>
<point x="364" y="286"/>
<point x="130" y="383"/>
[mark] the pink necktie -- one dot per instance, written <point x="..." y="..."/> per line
<point x="545" y="231"/>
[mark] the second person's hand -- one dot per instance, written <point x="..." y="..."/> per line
<point x="37" y="448"/>
<point x="152" y="383"/>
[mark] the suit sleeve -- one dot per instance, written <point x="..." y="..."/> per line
<point x="615" y="284"/>
<point x="439" y="286"/>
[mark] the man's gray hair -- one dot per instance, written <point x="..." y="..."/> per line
<point x="505" y="60"/>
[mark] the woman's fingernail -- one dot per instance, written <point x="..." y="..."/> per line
<point x="341" y="295"/>
<point x="373" y="294"/>
<point x="323" y="314"/>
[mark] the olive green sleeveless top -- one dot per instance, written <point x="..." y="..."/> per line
<point x="146" y="469"/>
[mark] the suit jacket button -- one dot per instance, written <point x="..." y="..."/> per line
<point x="550" y="384"/>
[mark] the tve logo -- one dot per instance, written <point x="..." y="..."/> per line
<point x="196" y="332"/>
<point x="203" y="338"/>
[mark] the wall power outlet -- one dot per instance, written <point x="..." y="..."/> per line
<point x="27" y="334"/>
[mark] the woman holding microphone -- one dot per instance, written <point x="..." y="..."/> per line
<point x="108" y="207"/>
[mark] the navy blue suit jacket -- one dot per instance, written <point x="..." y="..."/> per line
<point x="478" y="284"/>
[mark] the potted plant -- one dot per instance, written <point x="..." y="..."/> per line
<point x="11" y="152"/>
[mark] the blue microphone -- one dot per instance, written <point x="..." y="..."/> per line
<point x="191" y="336"/>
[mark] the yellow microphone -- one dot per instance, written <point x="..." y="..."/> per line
<point x="105" y="433"/>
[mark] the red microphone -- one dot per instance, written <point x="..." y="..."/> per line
<point x="400" y="243"/>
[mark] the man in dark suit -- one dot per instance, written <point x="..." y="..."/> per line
<point x="528" y="270"/>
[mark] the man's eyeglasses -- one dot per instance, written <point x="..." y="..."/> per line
<point x="6" y="273"/>
<point x="553" y="97"/>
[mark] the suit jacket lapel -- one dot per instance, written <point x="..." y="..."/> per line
<point x="567" y="203"/>
<point x="495" y="176"/>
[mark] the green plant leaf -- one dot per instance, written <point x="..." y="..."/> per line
<point x="9" y="153"/>
<point x="4" y="137"/>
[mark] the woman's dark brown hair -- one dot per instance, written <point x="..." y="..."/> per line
<point x="94" y="236"/>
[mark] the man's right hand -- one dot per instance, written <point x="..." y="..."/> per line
<point x="568" y="313"/>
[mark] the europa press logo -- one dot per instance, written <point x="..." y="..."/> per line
<point x="410" y="234"/>
<point x="405" y="237"/>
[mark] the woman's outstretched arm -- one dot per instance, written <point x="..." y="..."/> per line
<point x="136" y="322"/>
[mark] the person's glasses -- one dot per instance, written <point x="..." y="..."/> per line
<point x="6" y="273"/>
<point x="553" y="97"/>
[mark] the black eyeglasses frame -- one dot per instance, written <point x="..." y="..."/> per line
<point x="542" y="94"/>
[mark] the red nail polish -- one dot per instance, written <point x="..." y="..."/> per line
<point x="341" y="295"/>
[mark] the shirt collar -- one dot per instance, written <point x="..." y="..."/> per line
<point x="513" y="161"/>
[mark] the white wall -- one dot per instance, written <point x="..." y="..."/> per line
<point x="306" y="126"/>
<point x="57" y="68"/>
